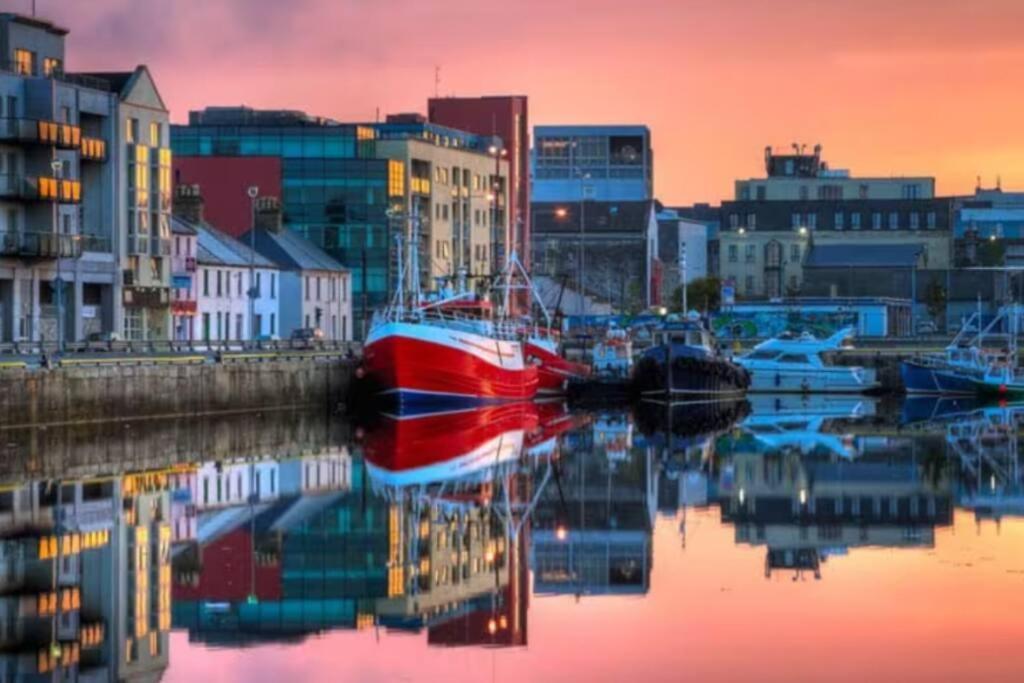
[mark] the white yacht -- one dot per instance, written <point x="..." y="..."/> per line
<point x="801" y="363"/>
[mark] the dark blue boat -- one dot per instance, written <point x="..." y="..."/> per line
<point x="685" y="365"/>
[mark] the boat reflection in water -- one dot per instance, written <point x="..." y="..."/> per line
<point x="462" y="484"/>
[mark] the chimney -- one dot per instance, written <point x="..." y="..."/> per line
<point x="188" y="204"/>
<point x="268" y="214"/>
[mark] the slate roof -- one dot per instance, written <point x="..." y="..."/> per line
<point x="863" y="255"/>
<point x="216" y="248"/>
<point x="292" y="252"/>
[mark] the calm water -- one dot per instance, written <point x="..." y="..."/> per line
<point x="785" y="540"/>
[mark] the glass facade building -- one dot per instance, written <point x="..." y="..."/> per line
<point x="334" y="192"/>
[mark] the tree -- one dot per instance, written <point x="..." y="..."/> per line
<point x="935" y="301"/>
<point x="703" y="294"/>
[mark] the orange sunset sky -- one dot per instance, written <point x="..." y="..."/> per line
<point x="889" y="87"/>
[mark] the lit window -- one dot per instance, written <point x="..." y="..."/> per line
<point x="154" y="134"/>
<point x="51" y="66"/>
<point x="24" y="62"/>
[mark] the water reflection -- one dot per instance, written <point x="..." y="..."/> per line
<point x="272" y="528"/>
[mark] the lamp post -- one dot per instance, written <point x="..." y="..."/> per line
<point x="498" y="153"/>
<point x="253" y="192"/>
<point x="58" y="173"/>
<point x="582" y="264"/>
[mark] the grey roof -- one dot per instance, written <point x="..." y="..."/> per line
<point x="863" y="255"/>
<point x="216" y="248"/>
<point x="180" y="227"/>
<point x="292" y="252"/>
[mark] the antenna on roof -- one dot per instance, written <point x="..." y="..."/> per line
<point x="437" y="81"/>
<point x="376" y="115"/>
<point x="999" y="182"/>
<point x="978" y="185"/>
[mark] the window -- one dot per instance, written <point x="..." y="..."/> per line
<point x="760" y="193"/>
<point x="206" y="283"/>
<point x="749" y="285"/>
<point x="220" y="286"/>
<point x="930" y="220"/>
<point x="273" y="323"/>
<point x="259" y="283"/>
<point x="863" y="191"/>
<point x="911" y="191"/>
<point x="752" y="221"/>
<point x="318" y="288"/>
<point x="733" y="251"/>
<point x="876" y="220"/>
<point x="855" y="221"/>
<point x="804" y="193"/>
<point x="812" y="221"/>
<point x="51" y="66"/>
<point x="239" y="287"/>
<point x="793" y="358"/>
<point x="839" y="219"/>
<point x="273" y="285"/>
<point x="894" y="220"/>
<point x="131" y="130"/>
<point x="761" y="355"/>
<point x="308" y="287"/>
<point x="794" y="253"/>
<point x="915" y="220"/>
<point x="177" y="246"/>
<point x="24" y="62"/>
<point x="734" y="220"/>
<point x="751" y="253"/>
<point x="154" y="134"/>
<point x="238" y="326"/>
<point x="795" y="221"/>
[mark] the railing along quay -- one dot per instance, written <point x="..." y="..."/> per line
<point x="30" y="355"/>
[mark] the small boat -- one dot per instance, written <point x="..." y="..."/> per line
<point x="980" y="361"/>
<point x="612" y="358"/>
<point x="685" y="364"/>
<point x="801" y="363"/>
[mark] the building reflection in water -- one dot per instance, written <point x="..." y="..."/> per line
<point x="433" y="525"/>
<point x="86" y="578"/>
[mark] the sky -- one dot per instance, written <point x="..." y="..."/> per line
<point x="914" y="87"/>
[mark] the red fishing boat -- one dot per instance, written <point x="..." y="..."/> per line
<point x="446" y="353"/>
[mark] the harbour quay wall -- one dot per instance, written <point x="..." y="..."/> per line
<point x="129" y="390"/>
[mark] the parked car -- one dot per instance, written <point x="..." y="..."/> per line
<point x="307" y="336"/>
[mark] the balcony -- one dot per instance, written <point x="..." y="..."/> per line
<point x="93" y="149"/>
<point x="40" y="188"/>
<point x="41" y="132"/>
<point x="39" y="244"/>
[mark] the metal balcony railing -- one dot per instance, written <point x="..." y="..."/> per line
<point x="39" y="244"/>
<point x="40" y="188"/>
<point x="40" y="131"/>
<point x="94" y="149"/>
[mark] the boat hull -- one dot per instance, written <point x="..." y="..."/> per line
<point x="421" y="366"/>
<point x="818" y="381"/>
<point x="693" y="378"/>
<point x="554" y="372"/>
<point x="926" y="379"/>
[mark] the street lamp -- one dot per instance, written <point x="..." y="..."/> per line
<point x="253" y="192"/>
<point x="57" y="166"/>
